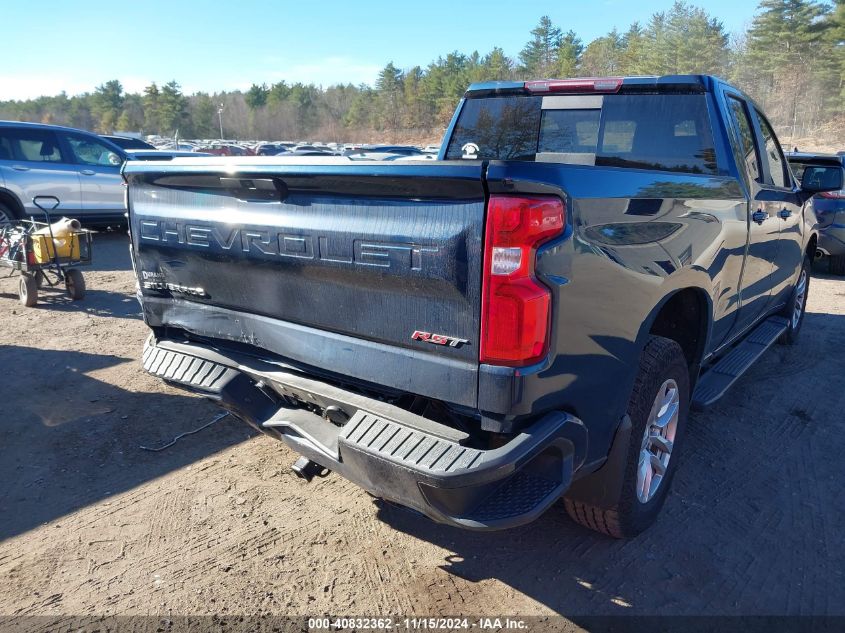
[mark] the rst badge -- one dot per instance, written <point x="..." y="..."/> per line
<point x="438" y="339"/>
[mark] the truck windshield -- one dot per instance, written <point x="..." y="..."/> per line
<point x="664" y="132"/>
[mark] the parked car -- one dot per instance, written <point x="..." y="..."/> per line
<point x="128" y="142"/>
<point x="81" y="169"/>
<point x="383" y="152"/>
<point x="223" y="150"/>
<point x="178" y="147"/>
<point x="829" y="207"/>
<point x="307" y="152"/>
<point x="476" y="337"/>
<point x="404" y="150"/>
<point x="269" y="149"/>
<point x="161" y="154"/>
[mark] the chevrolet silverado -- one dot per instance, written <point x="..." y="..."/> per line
<point x="528" y="318"/>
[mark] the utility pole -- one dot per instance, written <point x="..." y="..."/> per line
<point x="220" y="109"/>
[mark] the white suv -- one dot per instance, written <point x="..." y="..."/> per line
<point x="81" y="169"/>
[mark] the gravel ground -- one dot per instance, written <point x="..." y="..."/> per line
<point x="91" y="524"/>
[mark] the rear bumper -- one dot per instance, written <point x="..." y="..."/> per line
<point x="388" y="451"/>
<point x="832" y="238"/>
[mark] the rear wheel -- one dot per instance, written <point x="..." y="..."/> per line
<point x="7" y="218"/>
<point x="658" y="411"/>
<point x="795" y="307"/>
<point x="837" y="264"/>
<point x="28" y="290"/>
<point x="75" y="284"/>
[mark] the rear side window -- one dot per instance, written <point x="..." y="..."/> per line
<point x="658" y="132"/>
<point x="31" y="145"/>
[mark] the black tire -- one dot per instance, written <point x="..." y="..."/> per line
<point x="662" y="360"/>
<point x="7" y="216"/>
<point x="837" y="264"/>
<point x="794" y="328"/>
<point x="28" y="290"/>
<point x="75" y="284"/>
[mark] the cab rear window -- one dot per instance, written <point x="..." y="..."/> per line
<point x="663" y="132"/>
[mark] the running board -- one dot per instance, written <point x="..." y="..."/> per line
<point x="713" y="384"/>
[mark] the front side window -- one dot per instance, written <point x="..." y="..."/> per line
<point x="774" y="155"/>
<point x="89" y="151"/>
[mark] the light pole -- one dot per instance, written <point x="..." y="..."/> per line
<point x="220" y="109"/>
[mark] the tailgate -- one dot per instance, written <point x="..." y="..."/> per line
<point x="367" y="252"/>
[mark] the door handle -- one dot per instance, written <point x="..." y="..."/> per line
<point x="87" y="172"/>
<point x="20" y="167"/>
<point x="759" y="216"/>
<point x="785" y="213"/>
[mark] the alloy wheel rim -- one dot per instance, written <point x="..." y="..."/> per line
<point x="658" y="440"/>
<point x="800" y="292"/>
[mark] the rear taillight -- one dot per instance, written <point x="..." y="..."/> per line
<point x="836" y="195"/>
<point x="585" y="84"/>
<point x="515" y="307"/>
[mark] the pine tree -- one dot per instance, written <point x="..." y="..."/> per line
<point x="152" y="119"/>
<point x="107" y="104"/>
<point x="785" y="33"/>
<point x="256" y="96"/>
<point x="172" y="107"/>
<point x="836" y="42"/>
<point x="787" y="48"/>
<point x="633" y="43"/>
<point x="539" y="58"/>
<point x="603" y="56"/>
<point x="203" y="114"/>
<point x="390" y="89"/>
<point x="497" y="65"/>
<point x="569" y="54"/>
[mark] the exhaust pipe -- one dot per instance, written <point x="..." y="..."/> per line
<point x="307" y="469"/>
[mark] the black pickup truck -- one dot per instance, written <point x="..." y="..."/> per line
<point x="526" y="319"/>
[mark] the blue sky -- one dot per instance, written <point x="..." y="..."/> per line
<point x="52" y="45"/>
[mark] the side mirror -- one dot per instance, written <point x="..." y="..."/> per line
<point x="820" y="178"/>
<point x="114" y="159"/>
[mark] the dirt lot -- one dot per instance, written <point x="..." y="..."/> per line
<point x="92" y="524"/>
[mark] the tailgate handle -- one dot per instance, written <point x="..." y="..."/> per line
<point x="261" y="189"/>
